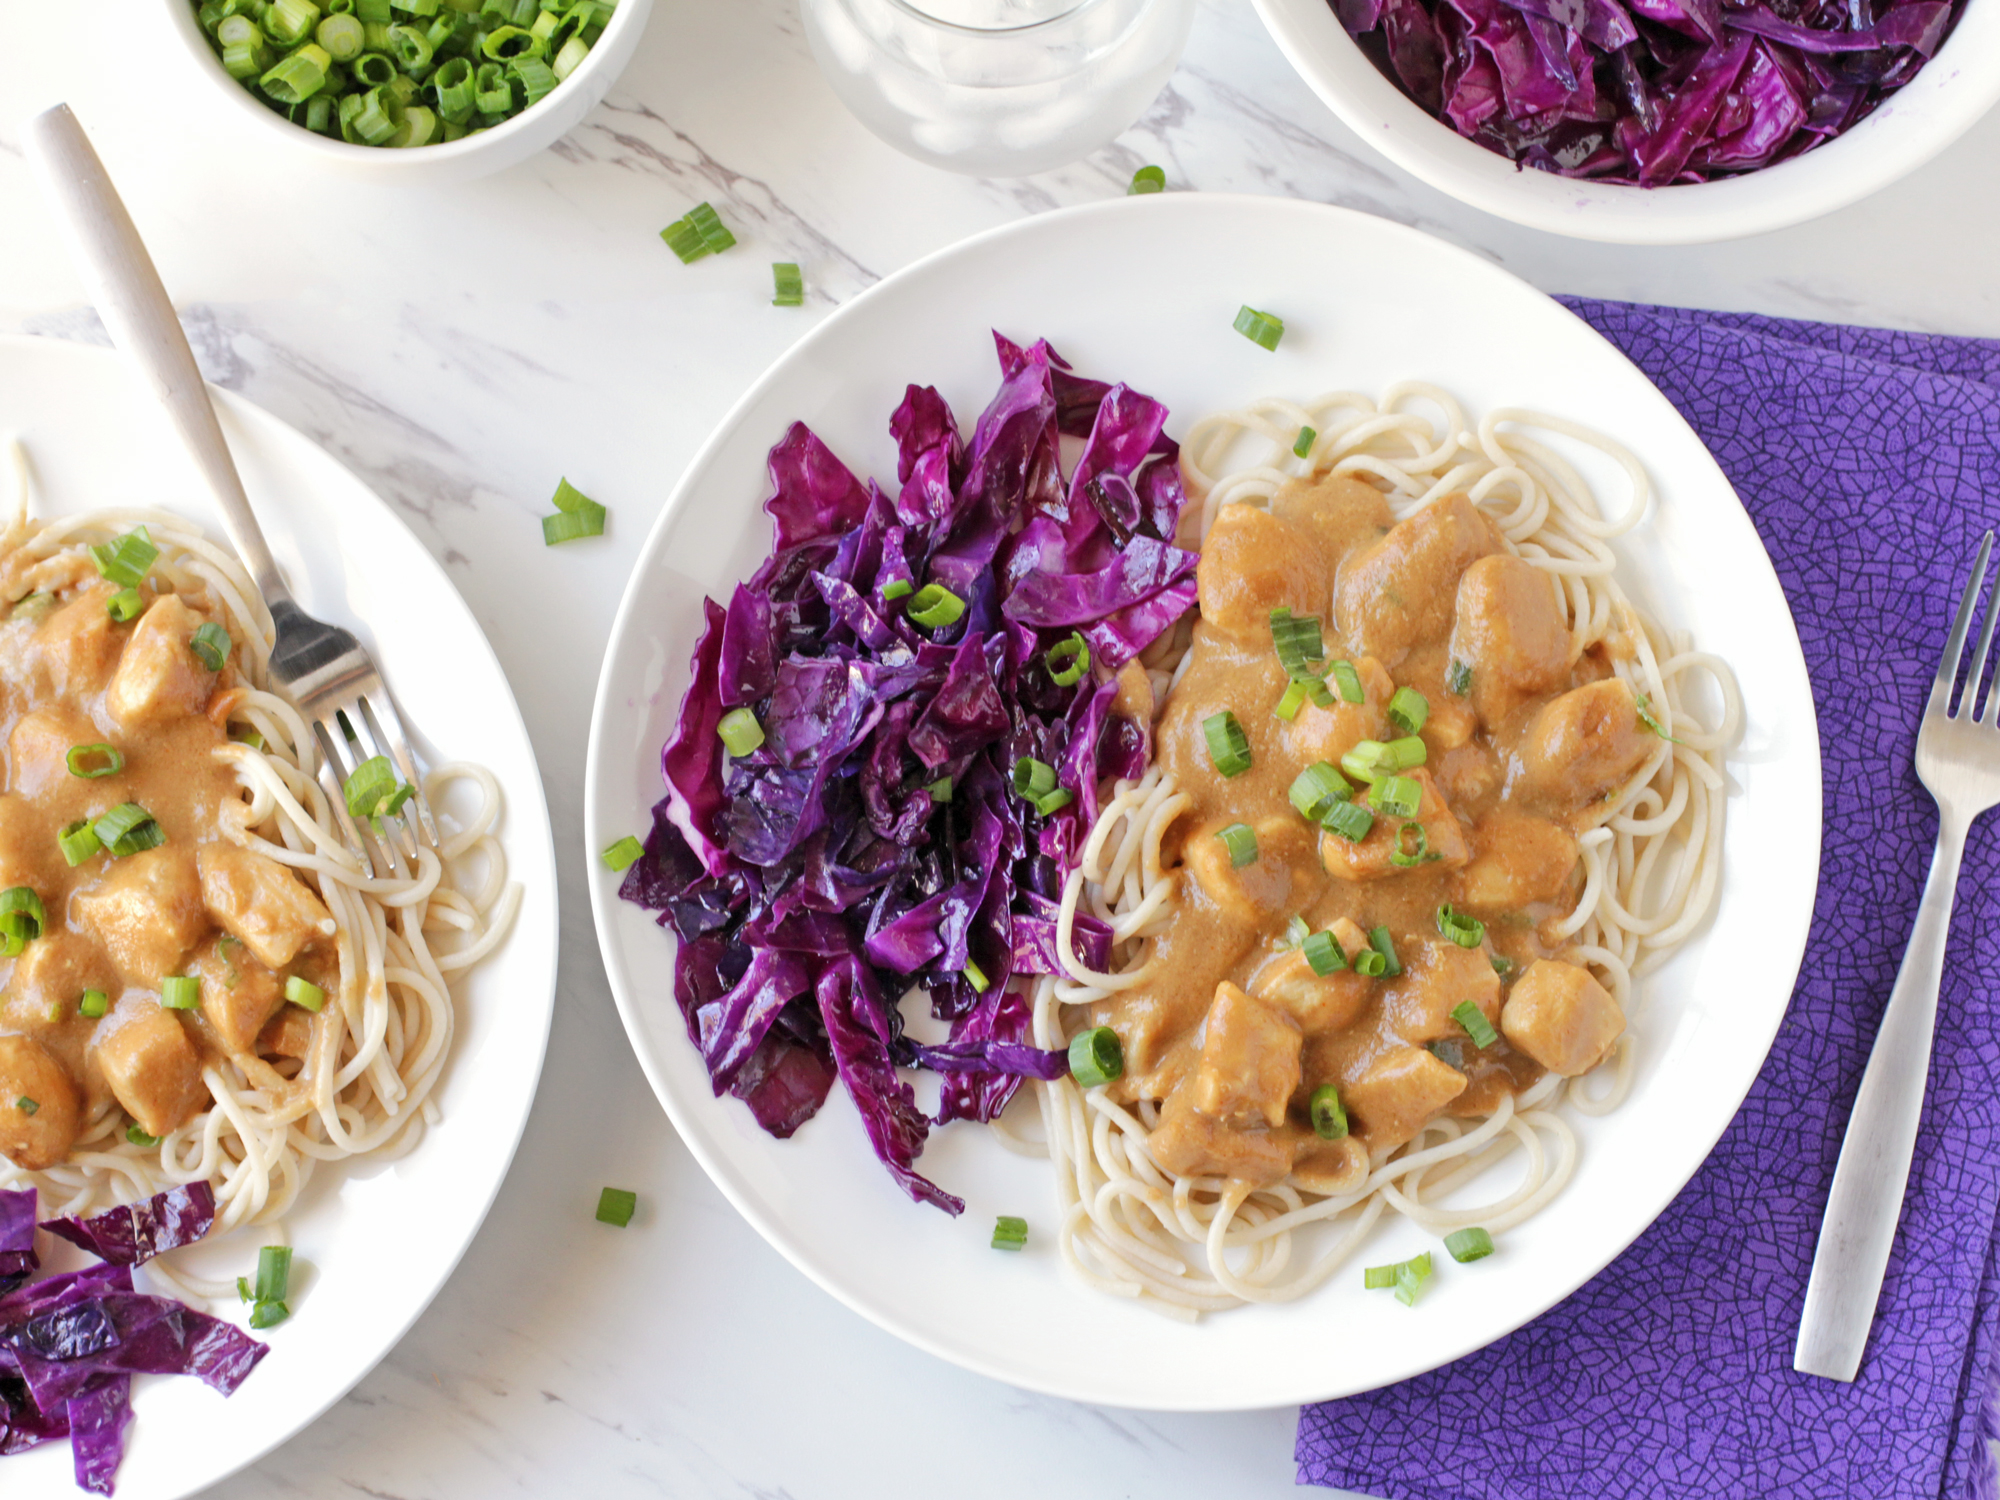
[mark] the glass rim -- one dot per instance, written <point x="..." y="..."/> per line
<point x="914" y="9"/>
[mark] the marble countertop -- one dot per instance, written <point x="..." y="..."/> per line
<point x="462" y="348"/>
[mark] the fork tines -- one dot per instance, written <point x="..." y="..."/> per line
<point x="1954" y="647"/>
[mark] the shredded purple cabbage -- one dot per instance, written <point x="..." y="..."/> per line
<point x="18" y="1260"/>
<point x="134" y="1233"/>
<point x="814" y="881"/>
<point x="1650" y="92"/>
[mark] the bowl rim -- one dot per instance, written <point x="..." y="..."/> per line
<point x="1950" y="94"/>
<point x="194" y="42"/>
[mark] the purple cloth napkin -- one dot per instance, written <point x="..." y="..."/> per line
<point x="1869" y="461"/>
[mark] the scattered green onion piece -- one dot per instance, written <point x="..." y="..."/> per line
<point x="1402" y="856"/>
<point x="1398" y="796"/>
<point x="1053" y="801"/>
<point x="1322" y="951"/>
<point x="577" y="515"/>
<point x="1378" y="1278"/>
<point x="140" y="1139"/>
<point x="940" y="789"/>
<point x="93" y="761"/>
<point x="1380" y="940"/>
<point x="1329" y="1120"/>
<point x="129" y="829"/>
<point x="268" y="1314"/>
<point x="790" y="284"/>
<point x="274" y="1274"/>
<point x="1147" y="180"/>
<point x="1296" y="931"/>
<point x="976" y="977"/>
<point x="1458" y="680"/>
<point x="1033" y="778"/>
<point x="26" y="1105"/>
<point x="1348" y="681"/>
<point x="93" y="1004"/>
<point x="305" y="995"/>
<point x="1289" y="705"/>
<point x="21" y="919"/>
<point x="1096" y="1056"/>
<point x="1068" y="660"/>
<point x="1317" y="790"/>
<point x="685" y="241"/>
<point x="897" y="588"/>
<point x="616" y="1206"/>
<point x="1228" y="746"/>
<point x="1350" y="820"/>
<point x="1475" y="1023"/>
<point x="1262" y="329"/>
<point x="127" y="559"/>
<point x="1468" y="1245"/>
<point x="1010" y="1233"/>
<point x="711" y="228"/>
<point x="1364" y="761"/>
<point x="212" y="644"/>
<point x="1410" y="1278"/>
<point x="180" y="992"/>
<point x="1241" y="841"/>
<point x="935" y="606"/>
<point x="1302" y="446"/>
<point x="243" y="734"/>
<point x="1370" y="964"/>
<point x="125" y="606"/>
<point x="32" y="606"/>
<point x="1406" y="753"/>
<point x="78" y="842"/>
<point x="1467" y="932"/>
<point x="1644" y="705"/>
<point x="1408" y="709"/>
<point x="370" y="790"/>
<point x="1502" y="965"/>
<point x="740" y="731"/>
<point x="57" y="1012"/>
<point x="298" y="77"/>
<point x="621" y="854"/>
<point x="1296" y="638"/>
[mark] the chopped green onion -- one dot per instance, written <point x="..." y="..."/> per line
<point x="274" y="1274"/>
<point x="93" y="1004"/>
<point x="78" y="842"/>
<point x="298" y="77"/>
<point x="129" y="829"/>
<point x="1033" y="778"/>
<point x="1350" y="820"/>
<point x="1408" y="709"/>
<point x="1410" y="1278"/>
<point x="289" y="21"/>
<point x="1262" y="329"/>
<point x="1403" y="856"/>
<point x="568" y="59"/>
<point x="685" y="241"/>
<point x="1475" y="1023"/>
<point x="1068" y="660"/>
<point x="710" y="227"/>
<point x="1317" y="790"/>
<point x="125" y="606"/>
<point x="1468" y="1245"/>
<point x="180" y="992"/>
<point x="93" y="761"/>
<point x="127" y="559"/>
<point x="1010" y="1233"/>
<point x="1296" y="931"/>
<point x="21" y="919"/>
<point x="211" y="643"/>
<point x="305" y="995"/>
<point x="1348" y="681"/>
<point x="1644" y="705"/>
<point x="976" y="977"/>
<point x="57" y="1012"/>
<point x="700" y="233"/>
<point x="32" y="606"/>
<point x="268" y="1314"/>
<point x="140" y="1139"/>
<point x="1302" y="445"/>
<point x="373" y="790"/>
<point x="1095" y="1056"/>
<point x="621" y="854"/>
<point x="1289" y="705"/>
<point x="1398" y="796"/>
<point x="1364" y="761"/>
<point x="577" y="515"/>
<point x="1502" y="965"/>
<point x="1467" y="932"/>
<point x="26" y="1105"/>
<point x="1382" y="943"/>
<point x="790" y="284"/>
<point x="1296" y="639"/>
<point x="342" y="36"/>
<point x="1370" y="964"/>
<point x="1322" y="951"/>
<point x="1147" y="180"/>
<point x="616" y="1206"/>
<point x="1241" y="841"/>
<point x="1228" y="746"/>
<point x="940" y="789"/>
<point x="1404" y="754"/>
<point x="740" y="731"/>
<point x="1053" y="801"/>
<point x="897" y="588"/>
<point x="378" y="115"/>
<point x="1378" y="1278"/>
<point x="1329" y="1120"/>
<point x="244" y="735"/>
<point x="935" y="606"/>
<point x="1458" y="679"/>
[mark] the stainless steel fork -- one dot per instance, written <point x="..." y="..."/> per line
<point x="322" y="667"/>
<point x="1958" y="760"/>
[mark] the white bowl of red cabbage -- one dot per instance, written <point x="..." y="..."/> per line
<point x="1650" y="121"/>
<point x="441" y="91"/>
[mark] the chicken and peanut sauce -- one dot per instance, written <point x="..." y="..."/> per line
<point x="143" y="943"/>
<point x="1382" y="837"/>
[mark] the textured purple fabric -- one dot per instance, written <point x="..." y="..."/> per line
<point x="1870" y="463"/>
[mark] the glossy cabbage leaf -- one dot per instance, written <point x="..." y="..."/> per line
<point x="18" y="1260"/>
<point x="134" y="1233"/>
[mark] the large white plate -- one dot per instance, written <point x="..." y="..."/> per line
<point x="378" y="1240"/>
<point x="1144" y="290"/>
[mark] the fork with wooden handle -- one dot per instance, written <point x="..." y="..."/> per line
<point x="1958" y="761"/>
<point x="322" y="667"/>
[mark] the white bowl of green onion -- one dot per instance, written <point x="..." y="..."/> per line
<point x="418" y="91"/>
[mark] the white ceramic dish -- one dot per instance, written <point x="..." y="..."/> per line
<point x="377" y="1240"/>
<point x="1144" y="290"/>
<point x="426" y="166"/>
<point x="1934" y="109"/>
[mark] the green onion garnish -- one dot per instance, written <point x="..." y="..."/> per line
<point x="1467" y="932"/>
<point x="1322" y="951"/>
<point x="700" y="233"/>
<point x="616" y="1206"/>
<point x="26" y="1105"/>
<point x="976" y="977"/>
<point x="1467" y="1245"/>
<point x="1398" y="796"/>
<point x="577" y="515"/>
<point x="1350" y="820"/>
<point x="1317" y="790"/>
<point x="1302" y="445"/>
<point x="268" y="1314"/>
<point x="790" y="284"/>
<point x="1296" y="931"/>
<point x="1010" y="1233"/>
<point x="93" y="761"/>
<point x="1410" y="1278"/>
<point x="740" y="731"/>
<point x="1054" y="801"/>
<point x="1377" y="1278"/>
<point x="1329" y="1120"/>
<point x="243" y="734"/>
<point x="57" y="1012"/>
<point x="180" y="992"/>
<point x="78" y="842"/>
<point x="940" y="789"/>
<point x="304" y="995"/>
<point x="127" y="559"/>
<point x="1382" y="943"/>
<point x="1644" y="705"/>
<point x="1068" y="660"/>
<point x="32" y="606"/>
<point x="1364" y="761"/>
<point x="140" y="1139"/>
<point x="1370" y="964"/>
<point x="1262" y="329"/>
<point x="1502" y="965"/>
<point x="93" y="1004"/>
<point x="1297" y="641"/>
<point x="1033" y="778"/>
<point x="1458" y="679"/>
<point x="1289" y="705"/>
<point x="274" y="1274"/>
<point x="1241" y="841"/>
<point x="125" y="606"/>
<point x="621" y="854"/>
<point x="1405" y="753"/>
<point x="1403" y="854"/>
<point x="897" y="588"/>
<point x="934" y="606"/>
<point x="1408" y="709"/>
<point x="21" y="919"/>
<point x="1348" y="681"/>
<point x="1095" y="1056"/>
<point x="1147" y="180"/>
<point x="373" y="790"/>
<point x="1228" y="746"/>
<point x="1475" y="1023"/>
<point x="211" y="643"/>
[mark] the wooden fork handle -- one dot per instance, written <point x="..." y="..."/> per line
<point x="134" y="305"/>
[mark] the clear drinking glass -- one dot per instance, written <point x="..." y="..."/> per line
<point x="998" y="88"/>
